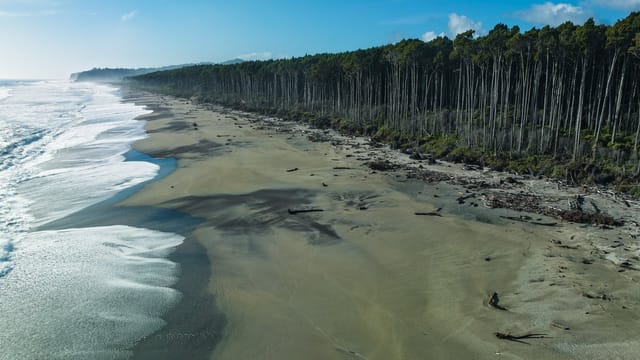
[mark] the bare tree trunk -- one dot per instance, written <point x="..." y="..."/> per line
<point x="618" y="102"/>
<point x="576" y="141"/>
<point x="606" y="95"/>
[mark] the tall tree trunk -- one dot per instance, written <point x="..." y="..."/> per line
<point x="606" y="95"/>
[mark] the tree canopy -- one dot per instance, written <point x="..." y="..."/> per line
<point x="569" y="92"/>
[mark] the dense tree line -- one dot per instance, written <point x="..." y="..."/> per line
<point x="569" y="92"/>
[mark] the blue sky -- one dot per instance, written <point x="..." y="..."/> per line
<point x="52" y="38"/>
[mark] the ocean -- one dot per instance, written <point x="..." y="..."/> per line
<point x="75" y="293"/>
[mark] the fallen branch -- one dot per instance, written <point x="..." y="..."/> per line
<point x="517" y="218"/>
<point x="350" y="352"/>
<point x="292" y="170"/>
<point x="518" y="338"/>
<point x="430" y="213"/>
<point x="300" y="211"/>
<point x="543" y="223"/>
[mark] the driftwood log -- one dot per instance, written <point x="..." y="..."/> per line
<point x="518" y="338"/>
<point x="494" y="302"/>
<point x="429" y="213"/>
<point x="303" y="210"/>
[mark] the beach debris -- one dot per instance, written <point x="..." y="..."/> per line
<point x="510" y="180"/>
<point x="587" y="217"/>
<point x="319" y="137"/>
<point x="324" y="184"/>
<point x="350" y="352"/>
<point x="292" y="170"/>
<point x="418" y="156"/>
<point x="543" y="223"/>
<point x="601" y="296"/>
<point x="570" y="247"/>
<point x="427" y="213"/>
<point x="381" y="165"/>
<point x="560" y="326"/>
<point x="533" y="204"/>
<point x="627" y="265"/>
<point x="518" y="338"/>
<point x="461" y="199"/>
<point x="522" y="218"/>
<point x="303" y="210"/>
<point x="617" y="244"/>
<point x="341" y="168"/>
<point x="494" y="301"/>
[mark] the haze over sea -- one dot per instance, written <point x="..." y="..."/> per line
<point x="75" y="293"/>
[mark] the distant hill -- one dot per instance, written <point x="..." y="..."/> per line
<point x="117" y="74"/>
<point x="232" y="62"/>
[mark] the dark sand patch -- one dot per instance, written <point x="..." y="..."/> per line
<point x="201" y="148"/>
<point x="172" y="126"/>
<point x="257" y="212"/>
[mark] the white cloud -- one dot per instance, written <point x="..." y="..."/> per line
<point x="553" y="14"/>
<point x="460" y="23"/>
<point x="430" y="35"/>
<point x="619" y="4"/>
<point x="256" y="56"/>
<point x="129" y="16"/>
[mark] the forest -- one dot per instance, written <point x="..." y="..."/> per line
<point x="559" y="101"/>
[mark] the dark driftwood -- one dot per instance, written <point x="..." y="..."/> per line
<point x="461" y="199"/>
<point x="527" y="219"/>
<point x="494" y="301"/>
<point x="341" y="168"/>
<point x="381" y="165"/>
<point x="543" y="223"/>
<point x="518" y="338"/>
<point x="430" y="213"/>
<point x="292" y="170"/>
<point x="299" y="211"/>
<point x="517" y="218"/>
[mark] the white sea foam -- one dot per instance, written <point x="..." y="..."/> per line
<point x="80" y="293"/>
<point x="4" y="93"/>
<point x="62" y="149"/>
<point x="86" y="293"/>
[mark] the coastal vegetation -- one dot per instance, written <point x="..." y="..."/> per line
<point x="558" y="101"/>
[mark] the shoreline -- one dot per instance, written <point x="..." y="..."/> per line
<point x="180" y="337"/>
<point x="174" y="339"/>
<point x="271" y="269"/>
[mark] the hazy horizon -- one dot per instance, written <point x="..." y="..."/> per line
<point x="50" y="39"/>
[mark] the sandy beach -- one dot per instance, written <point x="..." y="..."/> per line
<point x="367" y="278"/>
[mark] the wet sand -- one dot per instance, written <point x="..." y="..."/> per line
<point x="365" y="278"/>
